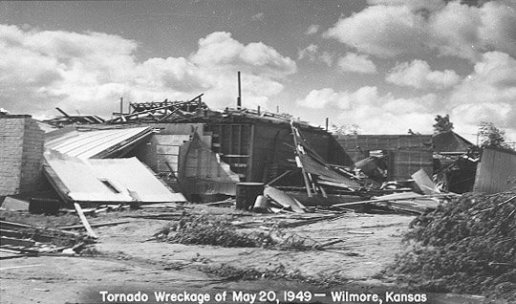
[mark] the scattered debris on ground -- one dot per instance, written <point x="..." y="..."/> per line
<point x="29" y="240"/>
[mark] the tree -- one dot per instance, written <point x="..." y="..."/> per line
<point x="491" y="136"/>
<point x="442" y="124"/>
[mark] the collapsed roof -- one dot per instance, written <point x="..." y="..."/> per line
<point x="95" y="143"/>
<point x="123" y="180"/>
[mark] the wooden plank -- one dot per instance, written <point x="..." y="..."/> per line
<point x="84" y="221"/>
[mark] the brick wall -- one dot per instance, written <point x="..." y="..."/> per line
<point x="33" y="148"/>
<point x="21" y="154"/>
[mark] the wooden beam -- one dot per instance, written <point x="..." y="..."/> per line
<point x="63" y="112"/>
<point x="305" y="177"/>
<point x="167" y="116"/>
<point x="84" y="221"/>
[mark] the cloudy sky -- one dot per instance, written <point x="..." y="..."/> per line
<point x="386" y="66"/>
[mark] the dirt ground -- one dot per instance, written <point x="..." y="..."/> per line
<point x="125" y="262"/>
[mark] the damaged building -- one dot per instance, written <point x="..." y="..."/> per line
<point x="179" y="151"/>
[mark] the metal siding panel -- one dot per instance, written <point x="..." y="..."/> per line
<point x="496" y="172"/>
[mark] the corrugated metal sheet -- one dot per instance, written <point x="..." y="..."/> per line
<point x="96" y="143"/>
<point x="496" y="171"/>
<point x="105" y="180"/>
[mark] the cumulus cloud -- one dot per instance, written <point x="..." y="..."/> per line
<point x="327" y="58"/>
<point x="312" y="29"/>
<point x="357" y="63"/>
<point x="258" y="17"/>
<point x="88" y="72"/>
<point x="376" y="113"/>
<point x="309" y="52"/>
<point x="383" y="31"/>
<point x="392" y="28"/>
<point x="489" y="93"/>
<point x="313" y="54"/>
<point x="418" y="74"/>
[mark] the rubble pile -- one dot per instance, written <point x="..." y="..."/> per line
<point x="467" y="245"/>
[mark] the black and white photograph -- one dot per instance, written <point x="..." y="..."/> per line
<point x="258" y="151"/>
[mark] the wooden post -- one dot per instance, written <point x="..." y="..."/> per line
<point x="121" y="106"/>
<point x="327" y="122"/>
